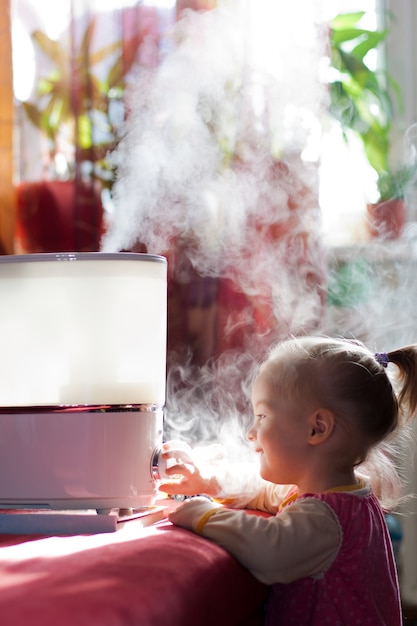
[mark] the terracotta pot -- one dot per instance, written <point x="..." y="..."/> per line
<point x="58" y="216"/>
<point x="386" y="219"/>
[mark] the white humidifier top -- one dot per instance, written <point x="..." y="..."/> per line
<point x="82" y="329"/>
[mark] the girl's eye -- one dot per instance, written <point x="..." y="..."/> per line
<point x="260" y="417"/>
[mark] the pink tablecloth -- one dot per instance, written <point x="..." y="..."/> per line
<point x="156" y="576"/>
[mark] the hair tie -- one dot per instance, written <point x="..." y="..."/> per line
<point x="382" y="358"/>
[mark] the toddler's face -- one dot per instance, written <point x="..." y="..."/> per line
<point x="279" y="432"/>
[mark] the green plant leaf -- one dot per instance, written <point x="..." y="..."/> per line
<point x="33" y="113"/>
<point x="85" y="46"/>
<point x="376" y="147"/>
<point x="85" y="132"/>
<point x="394" y="184"/>
<point x="350" y="283"/>
<point x="371" y="42"/>
<point x="345" y="35"/>
<point x="346" y="20"/>
<point x="356" y="69"/>
<point x="103" y="53"/>
<point x="362" y="99"/>
<point x="50" y="47"/>
<point x="116" y="73"/>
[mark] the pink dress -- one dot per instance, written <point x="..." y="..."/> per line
<point x="360" y="588"/>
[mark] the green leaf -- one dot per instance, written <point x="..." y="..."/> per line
<point x="350" y="283"/>
<point x="116" y="73"/>
<point x="339" y="37"/>
<point x="50" y="47"/>
<point x="48" y="85"/>
<point x="376" y="147"/>
<point x="105" y="52"/>
<point x="346" y="20"/>
<point x="395" y="184"/>
<point x="86" y="41"/>
<point x="33" y="113"/>
<point x="85" y="132"/>
<point x="356" y="69"/>
<point x="371" y="42"/>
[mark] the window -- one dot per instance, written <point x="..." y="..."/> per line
<point x="346" y="177"/>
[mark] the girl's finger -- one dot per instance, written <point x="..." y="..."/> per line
<point x="180" y="468"/>
<point x="181" y="455"/>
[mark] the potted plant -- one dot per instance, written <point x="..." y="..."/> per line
<point x="361" y="101"/>
<point x="387" y="215"/>
<point x="64" y="212"/>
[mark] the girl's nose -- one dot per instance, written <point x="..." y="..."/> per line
<point x="251" y="435"/>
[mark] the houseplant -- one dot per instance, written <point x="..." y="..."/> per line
<point x="73" y="94"/>
<point x="361" y="99"/>
<point x="387" y="215"/>
<point x="77" y="107"/>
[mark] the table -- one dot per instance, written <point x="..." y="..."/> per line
<point x="156" y="576"/>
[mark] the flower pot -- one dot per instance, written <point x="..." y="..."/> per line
<point x="386" y="219"/>
<point x="59" y="216"/>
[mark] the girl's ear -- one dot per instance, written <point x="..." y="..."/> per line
<point x="321" y="425"/>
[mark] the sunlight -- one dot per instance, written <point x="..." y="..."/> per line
<point x="23" y="62"/>
<point x="55" y="16"/>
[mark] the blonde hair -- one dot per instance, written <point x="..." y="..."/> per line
<point x="348" y="379"/>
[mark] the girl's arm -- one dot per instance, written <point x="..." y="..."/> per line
<point x="303" y="540"/>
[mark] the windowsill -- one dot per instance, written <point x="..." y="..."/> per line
<point x="377" y="251"/>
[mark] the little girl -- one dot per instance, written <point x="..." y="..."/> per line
<point x="322" y="408"/>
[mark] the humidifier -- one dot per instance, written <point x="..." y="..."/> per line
<point x="82" y="379"/>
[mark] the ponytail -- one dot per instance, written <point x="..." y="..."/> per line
<point x="406" y="361"/>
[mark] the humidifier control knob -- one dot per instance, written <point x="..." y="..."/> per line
<point x="158" y="465"/>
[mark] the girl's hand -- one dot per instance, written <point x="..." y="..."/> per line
<point x="193" y="472"/>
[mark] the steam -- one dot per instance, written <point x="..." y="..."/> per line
<point x="371" y="293"/>
<point x="196" y="161"/>
<point x="220" y="164"/>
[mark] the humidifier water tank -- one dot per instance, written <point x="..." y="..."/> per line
<point x="82" y="329"/>
<point x="82" y="378"/>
